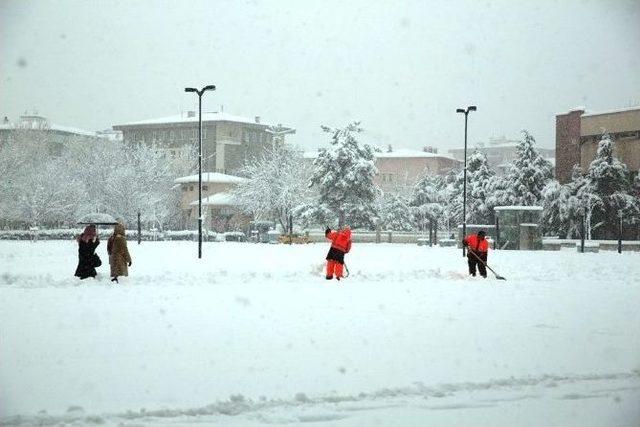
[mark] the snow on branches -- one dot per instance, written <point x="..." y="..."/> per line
<point x="343" y="175"/>
<point x="276" y="185"/>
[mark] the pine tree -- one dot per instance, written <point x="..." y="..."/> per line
<point x="343" y="175"/>
<point x="527" y="177"/>
<point x="479" y="178"/>
<point x="428" y="202"/>
<point x="396" y="213"/>
<point x="608" y="191"/>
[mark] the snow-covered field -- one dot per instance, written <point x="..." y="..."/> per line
<point x="254" y="335"/>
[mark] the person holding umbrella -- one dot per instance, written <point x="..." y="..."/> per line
<point x="88" y="241"/>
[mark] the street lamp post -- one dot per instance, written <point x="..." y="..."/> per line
<point x="200" y="93"/>
<point x="464" y="184"/>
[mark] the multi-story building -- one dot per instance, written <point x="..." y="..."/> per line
<point x="578" y="135"/>
<point x="500" y="152"/>
<point x="39" y="129"/>
<point x="400" y="169"/>
<point x="227" y="140"/>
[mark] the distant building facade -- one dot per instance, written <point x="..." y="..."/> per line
<point x="400" y="169"/>
<point x="501" y="153"/>
<point x="578" y="135"/>
<point x="227" y="140"/>
<point x="39" y="129"/>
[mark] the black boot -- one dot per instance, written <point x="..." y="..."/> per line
<point x="114" y="279"/>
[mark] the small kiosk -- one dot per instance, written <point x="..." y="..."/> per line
<point x="518" y="227"/>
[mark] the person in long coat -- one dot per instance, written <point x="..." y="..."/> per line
<point x="87" y="259"/>
<point x="119" y="258"/>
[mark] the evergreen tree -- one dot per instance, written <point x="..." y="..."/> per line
<point x="527" y="177"/>
<point x="396" y="213"/>
<point x="343" y="175"/>
<point x="479" y="180"/>
<point x="608" y="192"/>
<point x="428" y="202"/>
<point x="451" y="194"/>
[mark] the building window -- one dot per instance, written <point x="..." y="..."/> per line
<point x="191" y="188"/>
<point x="184" y="188"/>
<point x="205" y="188"/>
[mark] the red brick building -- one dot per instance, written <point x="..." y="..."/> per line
<point x="578" y="135"/>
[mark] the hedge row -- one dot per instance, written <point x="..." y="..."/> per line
<point x="70" y="234"/>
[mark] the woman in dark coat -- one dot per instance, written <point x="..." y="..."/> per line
<point x="87" y="259"/>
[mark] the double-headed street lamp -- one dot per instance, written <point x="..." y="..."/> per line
<point x="464" y="185"/>
<point x="200" y="93"/>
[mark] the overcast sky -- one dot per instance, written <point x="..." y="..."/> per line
<point x="401" y="67"/>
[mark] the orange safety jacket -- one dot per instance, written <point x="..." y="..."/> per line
<point x="340" y="240"/>
<point x="476" y="244"/>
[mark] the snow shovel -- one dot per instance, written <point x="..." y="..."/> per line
<point x="499" y="277"/>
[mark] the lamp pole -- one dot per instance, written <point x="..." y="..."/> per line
<point x="200" y="93"/>
<point x="464" y="184"/>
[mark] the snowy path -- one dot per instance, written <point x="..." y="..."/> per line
<point x="255" y="332"/>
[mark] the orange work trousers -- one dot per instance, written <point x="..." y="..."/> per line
<point x="334" y="267"/>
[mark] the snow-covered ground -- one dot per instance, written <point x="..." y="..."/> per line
<point x="254" y="335"/>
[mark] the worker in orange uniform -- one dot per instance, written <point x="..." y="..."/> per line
<point x="479" y="246"/>
<point x="340" y="245"/>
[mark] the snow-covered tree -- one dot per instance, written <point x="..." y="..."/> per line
<point x="479" y="180"/>
<point x="526" y="178"/>
<point x="20" y="157"/>
<point x="608" y="192"/>
<point x="429" y="202"/>
<point x="343" y="175"/>
<point x="276" y="186"/>
<point x="45" y="195"/>
<point x="562" y="208"/>
<point x="395" y="213"/>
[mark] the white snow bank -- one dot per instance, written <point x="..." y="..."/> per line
<point x="254" y="334"/>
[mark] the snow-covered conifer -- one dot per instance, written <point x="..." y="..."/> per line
<point x="395" y="213"/>
<point x="343" y="175"/>
<point x="526" y="178"/>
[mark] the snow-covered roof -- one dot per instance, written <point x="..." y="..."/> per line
<point x="619" y="110"/>
<point x="48" y="127"/>
<point x="395" y="154"/>
<point x="218" y="199"/>
<point x="310" y="154"/>
<point x="212" y="116"/>
<point x="69" y="129"/>
<point x="518" y="208"/>
<point x="211" y="177"/>
<point x="407" y="152"/>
